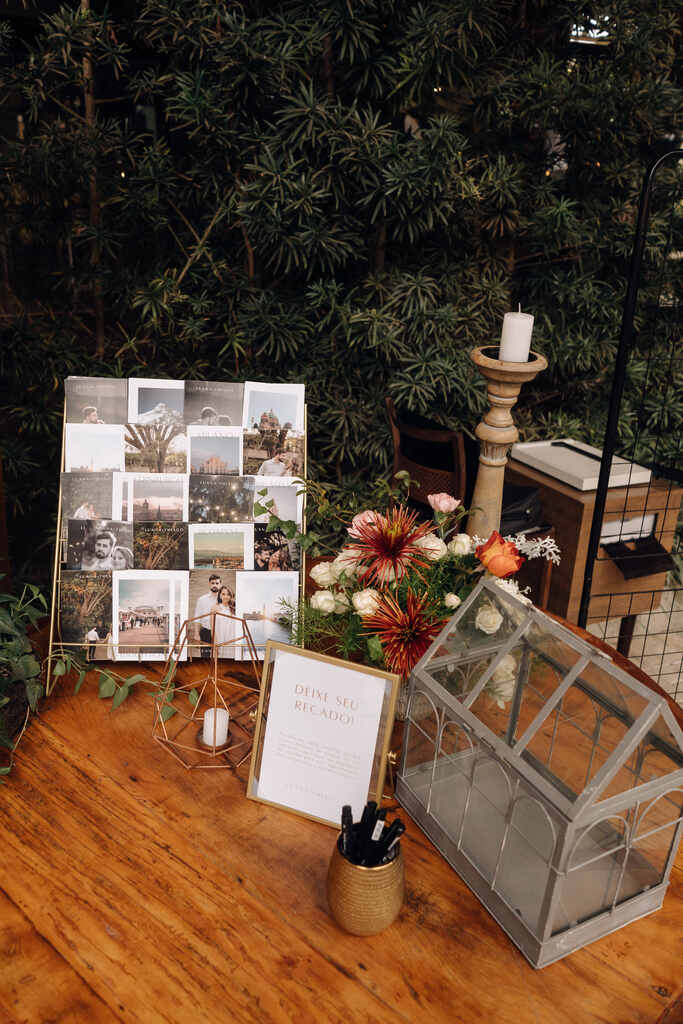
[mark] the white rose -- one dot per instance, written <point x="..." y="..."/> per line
<point x="504" y="680"/>
<point x="366" y="602"/>
<point x="433" y="547"/>
<point x="323" y="574"/>
<point x="345" y="563"/>
<point x="488" y="620"/>
<point x="451" y="600"/>
<point x="341" y="603"/>
<point x="323" y="601"/>
<point x="460" y="545"/>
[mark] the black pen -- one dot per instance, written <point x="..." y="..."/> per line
<point x="372" y="845"/>
<point x="388" y="841"/>
<point x="347" y="837"/>
<point x="365" y="828"/>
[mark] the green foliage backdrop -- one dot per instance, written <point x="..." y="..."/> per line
<point x="346" y="193"/>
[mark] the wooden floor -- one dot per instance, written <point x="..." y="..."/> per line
<point x="134" y="890"/>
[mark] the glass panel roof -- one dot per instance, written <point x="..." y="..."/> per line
<point x="580" y="721"/>
<point x="575" y="740"/>
<point x="657" y="754"/>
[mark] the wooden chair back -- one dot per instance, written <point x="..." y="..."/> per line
<point x="449" y="479"/>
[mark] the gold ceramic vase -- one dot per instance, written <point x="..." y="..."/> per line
<point x="364" y="901"/>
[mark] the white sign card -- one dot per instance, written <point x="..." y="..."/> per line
<point x="323" y="720"/>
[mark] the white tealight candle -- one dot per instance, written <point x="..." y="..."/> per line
<point x="515" y="341"/>
<point x="218" y="719"/>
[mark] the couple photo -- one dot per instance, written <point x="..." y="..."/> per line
<point x="281" y="464"/>
<point x="219" y="628"/>
<point x="99" y="545"/>
<point x="273" y="453"/>
<point x="273" y="552"/>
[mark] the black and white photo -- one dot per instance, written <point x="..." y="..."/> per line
<point x="96" y="400"/>
<point x="99" y="545"/>
<point x="152" y="400"/>
<point x="85" y="496"/>
<point x="211" y="403"/>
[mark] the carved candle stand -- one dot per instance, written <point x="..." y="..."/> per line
<point x="497" y="433"/>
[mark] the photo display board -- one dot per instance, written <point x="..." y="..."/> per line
<point x="156" y="520"/>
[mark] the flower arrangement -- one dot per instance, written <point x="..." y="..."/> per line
<point x="393" y="584"/>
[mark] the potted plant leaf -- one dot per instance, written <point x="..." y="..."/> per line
<point x="20" y="670"/>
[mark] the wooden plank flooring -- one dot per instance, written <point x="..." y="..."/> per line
<point x="134" y="890"/>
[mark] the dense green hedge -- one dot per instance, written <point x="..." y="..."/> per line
<point x="286" y="221"/>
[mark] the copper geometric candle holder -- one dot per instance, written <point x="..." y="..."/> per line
<point x="179" y="708"/>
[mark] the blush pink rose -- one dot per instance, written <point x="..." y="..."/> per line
<point x="362" y="519"/>
<point x="443" y="502"/>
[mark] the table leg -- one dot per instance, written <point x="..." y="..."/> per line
<point x="626" y="628"/>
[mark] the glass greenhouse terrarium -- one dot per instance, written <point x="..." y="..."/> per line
<point x="550" y="779"/>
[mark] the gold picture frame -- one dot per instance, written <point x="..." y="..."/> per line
<point x="385" y="722"/>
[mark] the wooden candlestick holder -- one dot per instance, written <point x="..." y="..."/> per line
<point x="496" y="432"/>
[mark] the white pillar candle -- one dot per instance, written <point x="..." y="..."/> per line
<point x="219" y="718"/>
<point x="515" y="341"/>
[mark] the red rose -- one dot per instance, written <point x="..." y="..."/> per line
<point x="499" y="556"/>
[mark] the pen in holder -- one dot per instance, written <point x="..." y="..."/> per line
<point x="364" y="900"/>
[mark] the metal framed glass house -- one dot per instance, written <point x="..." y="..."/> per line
<point x="551" y="780"/>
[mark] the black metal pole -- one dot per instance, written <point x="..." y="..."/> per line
<point x="623" y="352"/>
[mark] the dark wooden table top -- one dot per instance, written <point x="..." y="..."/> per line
<point x="132" y="889"/>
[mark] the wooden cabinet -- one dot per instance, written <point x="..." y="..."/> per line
<point x="571" y="513"/>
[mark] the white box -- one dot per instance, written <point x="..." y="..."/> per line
<point x="577" y="464"/>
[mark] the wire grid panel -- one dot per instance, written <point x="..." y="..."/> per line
<point x="656" y="643"/>
<point x="643" y="538"/>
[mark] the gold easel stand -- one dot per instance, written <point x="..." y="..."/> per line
<point x="179" y="710"/>
<point x="497" y="433"/>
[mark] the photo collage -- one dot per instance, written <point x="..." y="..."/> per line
<point x="160" y="482"/>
